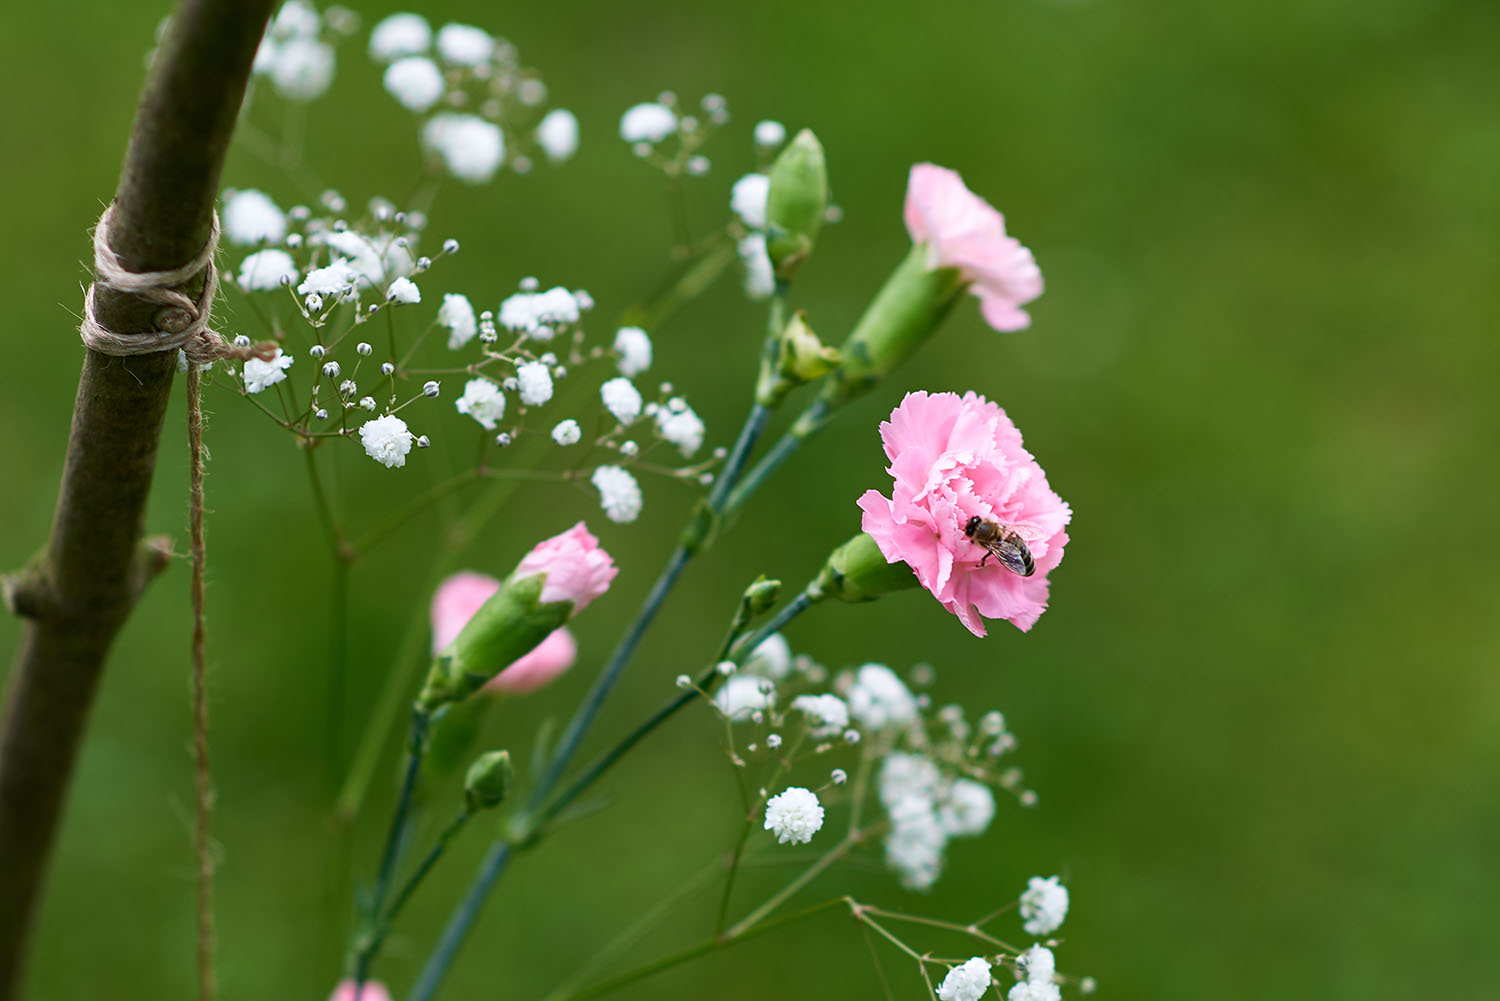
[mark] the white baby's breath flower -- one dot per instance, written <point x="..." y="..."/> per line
<point x="967" y="982"/>
<point x="303" y="69"/>
<point x="880" y="699"/>
<point x="828" y="713"/>
<point x="914" y="847"/>
<point x="649" y="122"/>
<point x="906" y="777"/>
<point x="633" y="346"/>
<point x="265" y="269"/>
<point x="336" y="279"/>
<point x="295" y="19"/>
<point x="680" y="426"/>
<point x="556" y="307"/>
<point x="464" y="44"/>
<point x="567" y="432"/>
<point x="769" y="133"/>
<point x="471" y="148"/>
<point x="361" y="255"/>
<point x="794" y="815"/>
<point x="741" y="696"/>
<point x="1037" y="964"/>
<point x="534" y="381"/>
<point x="621" y="399"/>
<point x="771" y="657"/>
<point x="748" y="199"/>
<point x="399" y="35"/>
<point x="518" y="312"/>
<point x="405" y="291"/>
<point x="251" y="217"/>
<point x="1034" y="991"/>
<point x="557" y="134"/>
<point x="760" y="277"/>
<point x="387" y="440"/>
<point x="457" y="314"/>
<point x="415" y="82"/>
<point x="1044" y="905"/>
<point x="260" y="375"/>
<point x="483" y="401"/>
<point x="619" y="493"/>
<point x="966" y="808"/>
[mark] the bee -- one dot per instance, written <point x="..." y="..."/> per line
<point x="1003" y="543"/>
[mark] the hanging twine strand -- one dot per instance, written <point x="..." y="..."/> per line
<point x="181" y="322"/>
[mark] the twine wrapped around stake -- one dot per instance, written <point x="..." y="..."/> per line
<point x="181" y="323"/>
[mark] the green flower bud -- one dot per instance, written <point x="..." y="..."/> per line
<point x="904" y="313"/>
<point x="799" y="358"/>
<point x="796" y="203"/>
<point x="487" y="781"/>
<point x="857" y="571"/>
<point x="511" y="623"/>
<point x="761" y="596"/>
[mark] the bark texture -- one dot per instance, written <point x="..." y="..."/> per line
<point x="79" y="590"/>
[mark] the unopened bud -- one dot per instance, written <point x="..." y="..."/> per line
<point x="487" y="781"/>
<point x="761" y="596"/>
<point x="796" y="202"/>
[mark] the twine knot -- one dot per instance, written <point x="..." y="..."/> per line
<point x="181" y="322"/>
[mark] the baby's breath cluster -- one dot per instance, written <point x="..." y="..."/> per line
<point x="479" y="108"/>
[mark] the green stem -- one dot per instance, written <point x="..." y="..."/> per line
<point x="369" y="947"/>
<point x="394" y="836"/>
<point x="807" y="425"/>
<point x="418" y="504"/>
<point x="677" y="959"/>
<point x="811" y="873"/>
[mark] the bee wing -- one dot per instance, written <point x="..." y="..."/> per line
<point x="1012" y="557"/>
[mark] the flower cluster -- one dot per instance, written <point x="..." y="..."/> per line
<point x="327" y="273"/>
<point x="479" y="108"/>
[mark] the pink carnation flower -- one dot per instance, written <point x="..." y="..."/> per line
<point x="542" y="666"/>
<point x="954" y="457"/>
<point x="373" y="990"/>
<point x="962" y="231"/>
<point x="577" y="569"/>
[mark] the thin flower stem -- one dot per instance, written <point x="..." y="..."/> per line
<point x="809" y="874"/>
<point x="789" y="611"/>
<point x="734" y="868"/>
<point x="861" y="914"/>
<point x="678" y="958"/>
<point x="393" y="838"/>
<point x="490" y="869"/>
<point x="885" y="984"/>
<point x="632" y="933"/>
<point x="332" y="529"/>
<point x="814" y="416"/>
<point x="369" y="947"/>
<point x="420" y="503"/>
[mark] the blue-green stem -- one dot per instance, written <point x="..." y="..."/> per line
<point x="811" y="421"/>
<point x="369" y="944"/>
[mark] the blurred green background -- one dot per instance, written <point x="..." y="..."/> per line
<point x="1262" y="710"/>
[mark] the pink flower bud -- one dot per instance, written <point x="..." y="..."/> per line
<point x="543" y="665"/>
<point x="457" y="599"/>
<point x="373" y="990"/>
<point x="961" y="230"/>
<point x="577" y="569"/>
